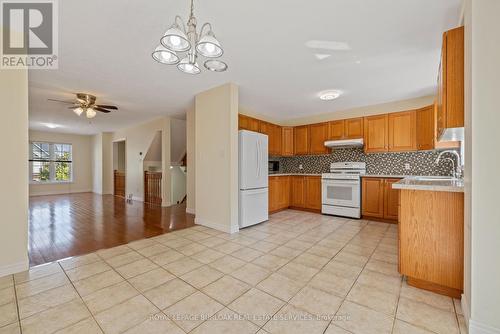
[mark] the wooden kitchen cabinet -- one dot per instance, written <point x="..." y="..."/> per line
<point x="313" y="192"/>
<point x="248" y="123"/>
<point x="402" y="131"/>
<point x="301" y="140"/>
<point x="279" y="193"/>
<point x="336" y="130"/>
<point x="379" y="200"/>
<point x="273" y="193"/>
<point x="286" y="141"/>
<point x="391" y="200"/>
<point x="450" y="96"/>
<point x="318" y="134"/>
<point x="353" y="128"/>
<point x="273" y="133"/>
<point x="425" y="128"/>
<point x="442" y="144"/>
<point x="297" y="192"/>
<point x="375" y="133"/>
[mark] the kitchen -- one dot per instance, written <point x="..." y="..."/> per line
<point x="395" y="167"/>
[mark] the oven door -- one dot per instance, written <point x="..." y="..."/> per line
<point x="341" y="192"/>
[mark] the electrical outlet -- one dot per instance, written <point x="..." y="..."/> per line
<point x="407" y="166"/>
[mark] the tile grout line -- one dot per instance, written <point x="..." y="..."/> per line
<point x="17" y="305"/>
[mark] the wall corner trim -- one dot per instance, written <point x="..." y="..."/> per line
<point x="14" y="268"/>
<point x="216" y="226"/>
<point x="479" y="328"/>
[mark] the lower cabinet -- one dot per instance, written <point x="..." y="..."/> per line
<point x="297" y="193"/>
<point x="279" y="193"/>
<point x="379" y="200"/>
<point x="313" y="192"/>
<point x="300" y="192"/>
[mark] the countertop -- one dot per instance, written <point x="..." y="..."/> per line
<point x="413" y="183"/>
<point x="293" y="174"/>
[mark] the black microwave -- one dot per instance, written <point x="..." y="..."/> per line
<point x="274" y="166"/>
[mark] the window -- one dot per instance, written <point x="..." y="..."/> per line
<point x="50" y="162"/>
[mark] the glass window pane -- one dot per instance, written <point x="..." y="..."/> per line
<point x="41" y="171"/>
<point x="62" y="152"/>
<point x="63" y="171"/>
<point x="41" y="151"/>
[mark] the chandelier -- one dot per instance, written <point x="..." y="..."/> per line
<point x="181" y="46"/>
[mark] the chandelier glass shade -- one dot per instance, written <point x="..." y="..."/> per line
<point x="181" y="38"/>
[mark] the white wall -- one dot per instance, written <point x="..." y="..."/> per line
<point x="190" y="161"/>
<point x="14" y="168"/>
<point x="216" y="138"/>
<point x="138" y="139"/>
<point x="483" y="120"/>
<point x="107" y="163"/>
<point x="82" y="163"/>
<point x="178" y="184"/>
<point x="119" y="156"/>
<point x="178" y="140"/>
<point x="97" y="163"/>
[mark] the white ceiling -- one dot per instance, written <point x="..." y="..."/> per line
<point x="105" y="49"/>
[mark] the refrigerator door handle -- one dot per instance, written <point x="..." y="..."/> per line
<point x="258" y="160"/>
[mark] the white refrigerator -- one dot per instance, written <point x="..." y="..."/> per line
<point x="253" y="173"/>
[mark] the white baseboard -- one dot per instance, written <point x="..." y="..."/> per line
<point x="60" y="192"/>
<point x="14" y="268"/>
<point x="191" y="211"/>
<point x="137" y="198"/>
<point x="165" y="204"/>
<point x="478" y="328"/>
<point x="216" y="226"/>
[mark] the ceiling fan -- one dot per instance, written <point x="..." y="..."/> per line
<point x="86" y="103"/>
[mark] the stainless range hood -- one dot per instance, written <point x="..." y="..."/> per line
<point x="344" y="143"/>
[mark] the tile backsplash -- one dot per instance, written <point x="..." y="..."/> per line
<point x="420" y="163"/>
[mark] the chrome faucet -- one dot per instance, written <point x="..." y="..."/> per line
<point x="458" y="170"/>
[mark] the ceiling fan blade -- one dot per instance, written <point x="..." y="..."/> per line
<point x="107" y="107"/>
<point x="74" y="107"/>
<point x="101" y="109"/>
<point x="54" y="100"/>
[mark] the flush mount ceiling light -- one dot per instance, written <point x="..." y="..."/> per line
<point x="329" y="95"/>
<point x="180" y="38"/>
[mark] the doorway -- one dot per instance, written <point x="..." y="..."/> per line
<point x="119" y="168"/>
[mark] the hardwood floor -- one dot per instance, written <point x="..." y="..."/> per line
<point x="74" y="224"/>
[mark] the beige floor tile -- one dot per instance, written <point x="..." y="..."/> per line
<point x="426" y="316"/>
<point x="385" y="257"/>
<point x="38" y="272"/>
<point x="11" y="329"/>
<point x="291" y="320"/>
<point x="316" y="302"/>
<point x="333" y="329"/>
<point x="251" y="273"/>
<point x="35" y="286"/>
<point x="342" y="270"/>
<point x="298" y="244"/>
<point x="139" y="244"/>
<point x="286" y="252"/>
<point x="167" y="257"/>
<point x="97" y="282"/>
<point x="311" y="260"/>
<point x="153" y="250"/>
<point x="226" y="322"/>
<point x="401" y="327"/>
<point x="297" y="272"/>
<point x="110" y="296"/>
<point x="359" y="250"/>
<point x="387" y="283"/>
<point x="383" y="267"/>
<point x="462" y="325"/>
<point x="227" y="264"/>
<point x="208" y="255"/>
<point x="79" y="261"/>
<point x="197" y="236"/>
<point x="228" y="247"/>
<point x="6" y="281"/>
<point x="280" y="286"/>
<point x="124" y="258"/>
<point x="323" y="251"/>
<point x="264" y="246"/>
<point x="245" y="241"/>
<point x="87" y="270"/>
<point x="158" y="324"/>
<point x="256" y="306"/>
<point x="7" y="295"/>
<point x="212" y="241"/>
<point x="8" y="314"/>
<point x="351" y="259"/>
<point x="247" y="254"/>
<point x="331" y="283"/>
<point x="374" y="298"/>
<point x="362" y="320"/>
<point x="47" y="299"/>
<point x="136" y="268"/>
<point x="151" y="279"/>
<point x="428" y="297"/>
<point x="202" y="276"/>
<point x="87" y="326"/>
<point x="182" y="266"/>
<point x="193" y="310"/>
<point x="226" y="289"/>
<point x="169" y="293"/>
<point x="191" y="249"/>
<point x="270" y="262"/>
<point x="126" y="315"/>
<point x="56" y="318"/>
<point x="458" y="306"/>
<point x="109" y="253"/>
<point x="176" y="243"/>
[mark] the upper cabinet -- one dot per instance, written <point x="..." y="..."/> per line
<point x="402" y="131"/>
<point x="376" y="130"/>
<point x="301" y="140"/>
<point x="248" y="123"/>
<point x="273" y="133"/>
<point x="426" y="128"/>
<point x="287" y="141"/>
<point x="336" y="130"/>
<point x="318" y="134"/>
<point x="345" y="129"/>
<point x="450" y="97"/>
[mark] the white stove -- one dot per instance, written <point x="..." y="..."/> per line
<point x="341" y="189"/>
